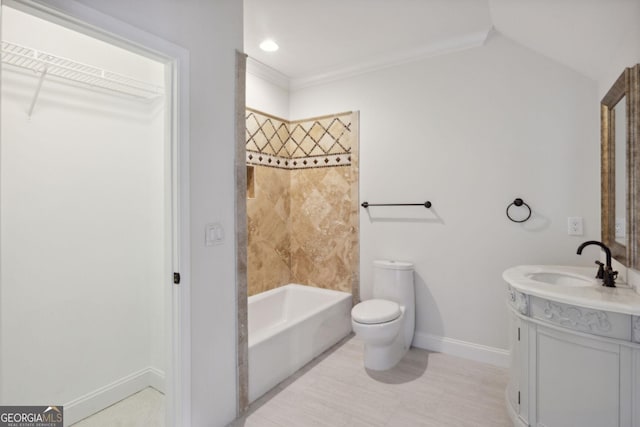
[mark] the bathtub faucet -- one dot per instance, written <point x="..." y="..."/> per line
<point x="605" y="272"/>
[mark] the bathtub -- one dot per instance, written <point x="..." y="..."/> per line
<point x="288" y="327"/>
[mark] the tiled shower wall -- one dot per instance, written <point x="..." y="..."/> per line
<point x="303" y="219"/>
<point x="268" y="224"/>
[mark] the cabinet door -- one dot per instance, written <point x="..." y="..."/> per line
<point x="513" y="388"/>
<point x="578" y="381"/>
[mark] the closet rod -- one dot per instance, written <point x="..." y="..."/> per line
<point x="37" y="61"/>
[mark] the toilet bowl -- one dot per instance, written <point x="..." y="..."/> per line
<point x="386" y="323"/>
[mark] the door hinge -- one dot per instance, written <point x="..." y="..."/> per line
<point x="518" y="397"/>
<point x="176" y="278"/>
<point x="518" y="334"/>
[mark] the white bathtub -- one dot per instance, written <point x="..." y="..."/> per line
<point x="288" y="327"/>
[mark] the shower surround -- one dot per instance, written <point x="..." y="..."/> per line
<point x="303" y="218"/>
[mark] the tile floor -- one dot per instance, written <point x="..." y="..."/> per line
<point x="143" y="409"/>
<point x="425" y="389"/>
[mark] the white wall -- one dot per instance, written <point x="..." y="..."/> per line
<point x="470" y="131"/>
<point x="267" y="97"/>
<point x="212" y="32"/>
<point x="81" y="235"/>
<point x="625" y="54"/>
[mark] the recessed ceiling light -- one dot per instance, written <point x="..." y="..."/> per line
<point x="269" y="45"/>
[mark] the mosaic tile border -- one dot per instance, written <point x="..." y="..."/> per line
<point x="256" y="158"/>
<point x="311" y="143"/>
<point x="334" y="160"/>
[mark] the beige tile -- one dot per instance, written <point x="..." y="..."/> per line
<point x="260" y="140"/>
<point x="313" y="211"/>
<point x="268" y="129"/>
<point x="252" y="146"/>
<point x="283" y="132"/>
<point x="307" y="144"/>
<point x="307" y="413"/>
<point x="338" y="128"/>
<point x="268" y="250"/>
<point x="316" y="130"/>
<point x="326" y="142"/>
<point x="316" y="151"/>
<point x="252" y="123"/>
<point x="424" y="389"/>
<point x="145" y="408"/>
<point x="268" y="149"/>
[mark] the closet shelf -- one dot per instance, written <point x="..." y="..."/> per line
<point x="52" y="65"/>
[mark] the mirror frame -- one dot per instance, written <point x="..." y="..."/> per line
<point x="633" y="165"/>
<point x="628" y="86"/>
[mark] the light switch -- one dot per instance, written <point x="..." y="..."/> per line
<point x="214" y="234"/>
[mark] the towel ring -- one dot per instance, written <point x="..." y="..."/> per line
<point x="518" y="202"/>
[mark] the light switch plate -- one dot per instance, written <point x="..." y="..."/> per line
<point x="213" y="234"/>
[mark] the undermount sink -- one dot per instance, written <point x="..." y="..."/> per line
<point x="575" y="285"/>
<point x="566" y="284"/>
<point x="561" y="278"/>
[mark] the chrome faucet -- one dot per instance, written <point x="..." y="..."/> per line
<point x="605" y="272"/>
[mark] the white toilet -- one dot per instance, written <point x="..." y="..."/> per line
<point x="386" y="322"/>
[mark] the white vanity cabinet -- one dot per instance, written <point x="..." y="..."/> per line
<point x="572" y="365"/>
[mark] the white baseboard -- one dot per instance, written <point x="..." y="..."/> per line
<point x="467" y="350"/>
<point x="109" y="394"/>
<point x="156" y="379"/>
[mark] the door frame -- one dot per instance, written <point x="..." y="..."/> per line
<point x="81" y="18"/>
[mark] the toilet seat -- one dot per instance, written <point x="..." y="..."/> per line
<point x="375" y="311"/>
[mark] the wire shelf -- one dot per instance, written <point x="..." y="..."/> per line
<point x="52" y="65"/>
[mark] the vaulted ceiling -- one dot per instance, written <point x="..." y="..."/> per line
<point x="320" y="38"/>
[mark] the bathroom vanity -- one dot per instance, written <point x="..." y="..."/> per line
<point x="575" y="349"/>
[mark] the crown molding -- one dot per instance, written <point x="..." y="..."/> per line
<point x="456" y="44"/>
<point x="267" y="73"/>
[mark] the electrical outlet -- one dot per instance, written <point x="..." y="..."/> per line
<point x="574" y="226"/>
<point x="620" y="227"/>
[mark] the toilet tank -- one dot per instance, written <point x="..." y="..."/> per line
<point x="393" y="280"/>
